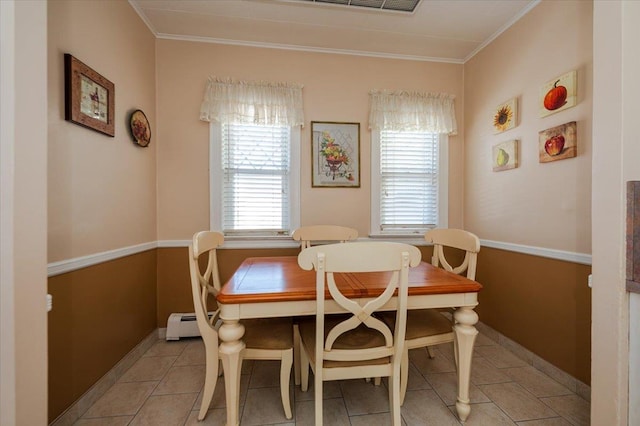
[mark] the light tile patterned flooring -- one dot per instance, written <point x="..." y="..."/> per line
<point x="164" y="388"/>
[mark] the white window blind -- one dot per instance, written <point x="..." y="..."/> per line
<point x="409" y="170"/>
<point x="256" y="194"/>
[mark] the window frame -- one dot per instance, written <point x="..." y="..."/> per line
<point x="216" y="181"/>
<point x="442" y="197"/>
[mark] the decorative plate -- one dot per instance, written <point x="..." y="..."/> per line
<point x="140" y="129"/>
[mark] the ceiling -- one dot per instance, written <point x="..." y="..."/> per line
<point x="437" y="30"/>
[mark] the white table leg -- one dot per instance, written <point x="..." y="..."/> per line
<point x="465" y="337"/>
<point x="231" y="351"/>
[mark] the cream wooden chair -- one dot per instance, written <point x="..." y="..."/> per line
<point x="265" y="339"/>
<point x="428" y="327"/>
<point x="357" y="345"/>
<point x="308" y="235"/>
<point x="323" y="233"/>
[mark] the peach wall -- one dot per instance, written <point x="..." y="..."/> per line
<point x="537" y="204"/>
<point x="335" y="89"/>
<point x="615" y="329"/>
<point x="25" y="243"/>
<point x="102" y="189"/>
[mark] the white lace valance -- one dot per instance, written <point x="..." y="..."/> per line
<point x="427" y="112"/>
<point x="229" y="101"/>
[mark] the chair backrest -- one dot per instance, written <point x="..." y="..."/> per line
<point x="360" y="257"/>
<point x="323" y="233"/>
<point x="205" y="284"/>
<point x="459" y="239"/>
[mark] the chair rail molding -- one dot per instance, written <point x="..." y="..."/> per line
<point x="69" y="265"/>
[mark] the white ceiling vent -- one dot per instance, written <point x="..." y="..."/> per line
<point x="391" y="5"/>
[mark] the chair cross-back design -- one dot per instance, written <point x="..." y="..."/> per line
<point x="268" y="339"/>
<point x="428" y="327"/>
<point x="459" y="239"/>
<point x="356" y="345"/>
<point x="320" y="234"/>
<point x="323" y="233"/>
<point x="209" y="280"/>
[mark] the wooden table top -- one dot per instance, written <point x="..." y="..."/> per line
<point x="280" y="279"/>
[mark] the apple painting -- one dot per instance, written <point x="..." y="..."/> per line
<point x="558" y="143"/>
<point x="554" y="145"/>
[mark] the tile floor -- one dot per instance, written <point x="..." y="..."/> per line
<point x="163" y="388"/>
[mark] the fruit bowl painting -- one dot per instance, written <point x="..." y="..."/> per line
<point x="505" y="155"/>
<point x="558" y="94"/>
<point x="335" y="154"/>
<point x="558" y="143"/>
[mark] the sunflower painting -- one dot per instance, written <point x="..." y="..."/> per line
<point x="505" y="116"/>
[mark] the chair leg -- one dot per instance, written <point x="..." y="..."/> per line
<point x="455" y="352"/>
<point x="395" y="397"/>
<point x="404" y="374"/>
<point x="304" y="370"/>
<point x="210" y="379"/>
<point x="318" y="395"/>
<point x="285" y="377"/>
<point x="296" y="354"/>
<point x="430" y="352"/>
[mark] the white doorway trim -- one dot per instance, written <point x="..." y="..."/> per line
<point x="7" y="141"/>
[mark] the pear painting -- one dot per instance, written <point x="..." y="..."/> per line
<point x="505" y="156"/>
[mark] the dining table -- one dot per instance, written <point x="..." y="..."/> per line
<point x="268" y="287"/>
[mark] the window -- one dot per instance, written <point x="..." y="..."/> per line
<point x="254" y="179"/>
<point x="409" y="182"/>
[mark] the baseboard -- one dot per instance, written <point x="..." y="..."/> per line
<point x="78" y="408"/>
<point x="581" y="389"/>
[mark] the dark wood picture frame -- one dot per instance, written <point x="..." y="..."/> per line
<point x="89" y="97"/>
<point x="633" y="236"/>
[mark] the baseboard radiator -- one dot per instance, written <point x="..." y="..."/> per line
<point x="182" y="325"/>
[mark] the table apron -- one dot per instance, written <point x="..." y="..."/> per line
<point x="239" y="311"/>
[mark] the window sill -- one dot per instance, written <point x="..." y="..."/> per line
<point x="413" y="239"/>
<point x="286" y="242"/>
<point x="231" y="242"/>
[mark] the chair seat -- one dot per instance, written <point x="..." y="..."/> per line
<point x="268" y="333"/>
<point x="420" y="323"/>
<point x="361" y="337"/>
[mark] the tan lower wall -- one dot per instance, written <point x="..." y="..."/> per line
<point x="102" y="312"/>
<point x="542" y="304"/>
<point x="99" y="314"/>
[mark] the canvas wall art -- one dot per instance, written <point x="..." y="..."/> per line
<point x="558" y="143"/>
<point x="505" y="116"/>
<point x="558" y="94"/>
<point x="505" y="155"/>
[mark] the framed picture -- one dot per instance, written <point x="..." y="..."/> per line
<point x="505" y="116"/>
<point x="140" y="129"/>
<point x="89" y="97"/>
<point x="558" y="94"/>
<point x="633" y="236"/>
<point x="505" y="155"/>
<point x="558" y="143"/>
<point x="335" y="154"/>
